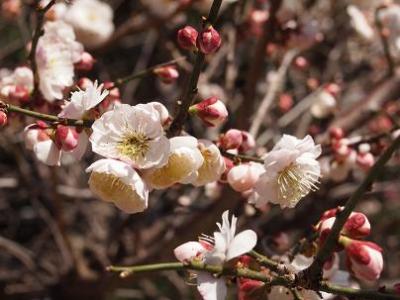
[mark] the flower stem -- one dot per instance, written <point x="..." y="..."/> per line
<point x="121" y="81"/>
<point x="191" y="88"/>
<point x="45" y="117"/>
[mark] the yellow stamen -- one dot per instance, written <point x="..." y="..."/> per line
<point x="134" y="145"/>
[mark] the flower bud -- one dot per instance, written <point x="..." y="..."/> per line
<point x="336" y="133"/>
<point x="66" y="138"/>
<point x="188" y="251"/>
<point x="232" y="139"/>
<point x="365" y="161"/>
<point x="19" y="93"/>
<point x="167" y="74"/>
<point x="248" y="142"/>
<point x="86" y="62"/>
<point x="301" y="62"/>
<point x="209" y="40"/>
<point x="187" y="37"/>
<point x="211" y="111"/>
<point x="3" y="118"/>
<point x="285" y="102"/>
<point x="11" y="8"/>
<point x="357" y="226"/>
<point x="248" y="289"/>
<point x="84" y="83"/>
<point x="364" y="259"/>
<point x="244" y="176"/>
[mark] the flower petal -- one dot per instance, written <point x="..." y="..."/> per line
<point x="241" y="244"/>
<point x="211" y="288"/>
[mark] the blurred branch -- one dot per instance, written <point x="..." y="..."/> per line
<point x="41" y="12"/>
<point x="191" y="87"/>
<point x="314" y="272"/>
<point x="384" y="41"/>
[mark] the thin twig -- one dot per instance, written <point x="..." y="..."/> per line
<point x="314" y="271"/>
<point x="191" y="87"/>
<point x="45" y="117"/>
<point x="41" y="12"/>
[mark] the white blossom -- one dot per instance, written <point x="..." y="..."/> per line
<point x="291" y="172"/>
<point x="184" y="161"/>
<point x="132" y="134"/>
<point x="56" y="53"/>
<point x="92" y="21"/>
<point x="117" y="182"/>
<point x="359" y="22"/>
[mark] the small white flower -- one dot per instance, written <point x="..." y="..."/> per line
<point x="117" y="182"/>
<point x="184" y="160"/>
<point x="82" y="101"/>
<point x="324" y="104"/>
<point x="132" y="134"/>
<point x="244" y="176"/>
<point x="92" y="21"/>
<point x="360" y="22"/>
<point x="213" y="166"/>
<point x="291" y="172"/>
<point x="56" y="54"/>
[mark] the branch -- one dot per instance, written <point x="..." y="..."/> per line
<point x="121" y="81"/>
<point x="241" y="157"/>
<point x="385" y="42"/>
<point x="41" y="12"/>
<point x="314" y="271"/>
<point x="217" y="270"/>
<point x="45" y="117"/>
<point x="191" y="88"/>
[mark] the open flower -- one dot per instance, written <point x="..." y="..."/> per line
<point x="213" y="165"/>
<point x="117" y="182"/>
<point x="56" y="53"/>
<point x="227" y="245"/>
<point x="132" y="134"/>
<point x="83" y="101"/>
<point x="184" y="160"/>
<point x="291" y="172"/>
<point x="92" y="21"/>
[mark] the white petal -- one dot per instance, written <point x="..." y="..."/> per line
<point x="241" y="244"/>
<point x="48" y="153"/>
<point x="211" y="288"/>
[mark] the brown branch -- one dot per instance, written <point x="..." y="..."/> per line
<point x="314" y="272"/>
<point x="191" y="88"/>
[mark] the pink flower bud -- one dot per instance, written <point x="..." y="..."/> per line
<point x="3" y="118"/>
<point x="336" y="133"/>
<point x="86" y="62"/>
<point x="333" y="88"/>
<point x="364" y="259"/>
<point x="285" y="102"/>
<point x="66" y="138"/>
<point x="209" y="40"/>
<point x="187" y="37"/>
<point x="211" y="111"/>
<point x="167" y="74"/>
<point x="228" y="166"/>
<point x="365" y="161"/>
<point x="11" y="8"/>
<point x="247" y="289"/>
<point x="301" y="62"/>
<point x="256" y="20"/>
<point x="84" y="83"/>
<point x="248" y="142"/>
<point x="19" y="93"/>
<point x="188" y="251"/>
<point x="244" y="176"/>
<point x="232" y="139"/>
<point x="357" y="226"/>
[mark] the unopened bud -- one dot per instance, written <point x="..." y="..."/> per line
<point x="66" y="138"/>
<point x="365" y="160"/>
<point x="167" y="74"/>
<point x="19" y="93"/>
<point x="209" y="40"/>
<point x="336" y="133"/>
<point x="248" y="142"/>
<point x="187" y="37"/>
<point x="285" y="102"/>
<point x="3" y="118"/>
<point x="86" y="62"/>
<point x="232" y="139"/>
<point x="211" y="111"/>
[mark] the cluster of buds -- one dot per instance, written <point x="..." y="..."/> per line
<point x="235" y="139"/>
<point x="345" y="158"/>
<point x="364" y="259"/>
<point x="211" y="111"/>
<point x="207" y="41"/>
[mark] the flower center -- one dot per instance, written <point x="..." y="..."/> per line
<point x="295" y="183"/>
<point x="134" y="145"/>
